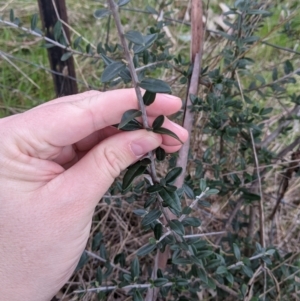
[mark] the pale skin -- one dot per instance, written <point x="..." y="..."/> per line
<point x="56" y="162"/>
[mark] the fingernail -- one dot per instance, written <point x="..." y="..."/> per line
<point x="144" y="145"/>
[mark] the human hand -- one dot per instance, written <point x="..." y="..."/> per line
<point x="56" y="162"/>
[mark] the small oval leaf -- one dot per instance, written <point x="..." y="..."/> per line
<point x="132" y="172"/>
<point x="111" y="71"/>
<point x="177" y="227"/>
<point x="101" y="13"/>
<point x="66" y="56"/>
<point x="132" y="125"/>
<point x="145" y="250"/>
<point x="149" y="98"/>
<point x="173" y="174"/>
<point x="171" y="199"/>
<point x="158" y="122"/>
<point x="128" y="116"/>
<point x="155" y="85"/>
<point x="158" y="230"/>
<point x="160" y="154"/>
<point x="151" y="217"/>
<point x="165" y="131"/>
<point x="160" y="282"/>
<point x="135" y="37"/>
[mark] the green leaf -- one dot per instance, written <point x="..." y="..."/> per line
<point x="150" y="39"/>
<point x="66" y="56"/>
<point x="96" y="241"/>
<point x="158" y="230"/>
<point x="82" y="261"/>
<point x="177" y="227"/>
<point x="171" y="199"/>
<point x="160" y="282"/>
<point x="135" y="269"/>
<point x="188" y="191"/>
<point x="165" y="131"/>
<point x="139" y="212"/>
<point x="158" y="122"/>
<point x="288" y="67"/>
<point x="247" y="271"/>
<point x="181" y="260"/>
<point x="236" y="251"/>
<point x="204" y="254"/>
<point x="145" y="250"/>
<point x="155" y="85"/>
<point x="34" y="20"/>
<point x="202" y="185"/>
<point x="111" y="71"/>
<point x="160" y="154"/>
<point x="11" y="15"/>
<point x="202" y="275"/>
<point x="121" y="259"/>
<point x="77" y="42"/>
<point x="151" y="217"/>
<point x="211" y="283"/>
<point x="99" y="275"/>
<point x="132" y="125"/>
<point x="171" y="188"/>
<point x="212" y="191"/>
<point x="191" y="221"/>
<point x="107" y="61"/>
<point x="221" y="270"/>
<point x="149" y="98"/>
<point x="229" y="278"/>
<point x="123" y="2"/>
<point x="137" y="296"/>
<point x="135" y="37"/>
<point x="182" y="282"/>
<point x="226" y="35"/>
<point x="101" y="13"/>
<point x="132" y="172"/>
<point x="154" y="188"/>
<point x="128" y="116"/>
<point x="57" y="30"/>
<point x="151" y="10"/>
<point x="173" y="174"/>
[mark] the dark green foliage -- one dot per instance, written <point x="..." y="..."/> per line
<point x="129" y="116"/>
<point x="160" y="154"/>
<point x="149" y="98"/>
<point x="155" y="85"/>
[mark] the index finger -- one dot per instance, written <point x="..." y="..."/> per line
<point x="64" y="123"/>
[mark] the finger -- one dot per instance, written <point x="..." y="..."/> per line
<point x="91" y="177"/>
<point x="68" y="122"/>
<point x="69" y="98"/>
<point x="96" y="137"/>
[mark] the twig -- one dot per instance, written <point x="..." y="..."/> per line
<point x="36" y="34"/>
<point x="182" y="217"/>
<point x="281" y="48"/>
<point x="91" y="254"/>
<point x="281" y="126"/>
<point x="113" y="287"/>
<point x="18" y="69"/>
<point x="203" y="234"/>
<point x="114" y="9"/>
<point x="239" y="263"/>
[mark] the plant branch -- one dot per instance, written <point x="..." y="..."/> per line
<point x="91" y="254"/>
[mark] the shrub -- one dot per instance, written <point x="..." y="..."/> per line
<point x="201" y="224"/>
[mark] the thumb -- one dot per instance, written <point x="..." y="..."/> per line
<point x="92" y="176"/>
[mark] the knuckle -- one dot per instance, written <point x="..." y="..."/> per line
<point x="113" y="161"/>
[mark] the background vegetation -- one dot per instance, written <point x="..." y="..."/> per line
<point x="229" y="243"/>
